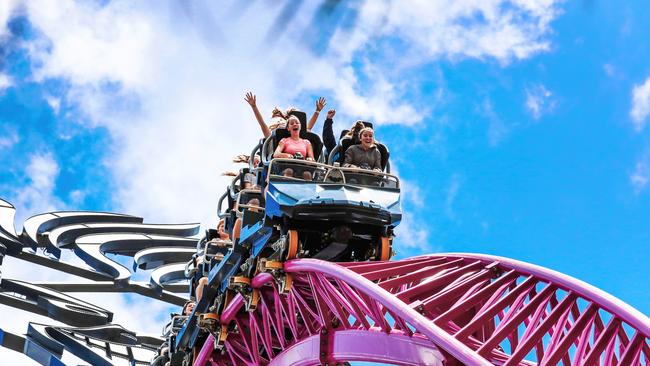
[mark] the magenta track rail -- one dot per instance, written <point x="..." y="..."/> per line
<point x="446" y="309"/>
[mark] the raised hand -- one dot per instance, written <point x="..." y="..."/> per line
<point x="320" y="104"/>
<point x="250" y="99"/>
<point x="331" y="113"/>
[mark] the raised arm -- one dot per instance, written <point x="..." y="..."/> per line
<point x="328" y="133"/>
<point x="251" y="100"/>
<point x="320" y="104"/>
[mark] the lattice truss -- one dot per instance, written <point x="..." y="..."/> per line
<point x="434" y="310"/>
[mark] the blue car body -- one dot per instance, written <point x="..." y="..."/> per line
<point x="333" y="201"/>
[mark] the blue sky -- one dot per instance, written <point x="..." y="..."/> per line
<point x="517" y="127"/>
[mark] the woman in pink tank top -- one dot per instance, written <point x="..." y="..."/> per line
<point x="289" y="146"/>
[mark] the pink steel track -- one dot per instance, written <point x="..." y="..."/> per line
<point x="445" y="309"/>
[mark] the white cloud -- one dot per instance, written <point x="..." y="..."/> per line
<point x="419" y="32"/>
<point x="54" y="103"/>
<point x="38" y="195"/>
<point x="5" y="82"/>
<point x="497" y="128"/>
<point x="539" y="101"/>
<point x="640" y="104"/>
<point x="380" y="102"/>
<point x="452" y="192"/>
<point x="485" y="226"/>
<point x="411" y="234"/>
<point x="77" y="197"/>
<point x="610" y="70"/>
<point x="8" y="137"/>
<point x="42" y="170"/>
<point x="641" y="175"/>
<point x="7" y="9"/>
<point x="503" y="30"/>
<point x="411" y="191"/>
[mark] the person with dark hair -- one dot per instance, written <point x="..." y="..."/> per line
<point x="188" y="307"/>
<point x="354" y="132"/>
<point x="365" y="155"/>
<point x="254" y="204"/>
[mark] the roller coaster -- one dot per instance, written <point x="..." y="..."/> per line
<point x="299" y="209"/>
<point x="299" y="272"/>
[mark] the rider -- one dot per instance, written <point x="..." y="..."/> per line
<point x="365" y="155"/>
<point x="328" y="133"/>
<point x="203" y="281"/>
<point x="294" y="146"/>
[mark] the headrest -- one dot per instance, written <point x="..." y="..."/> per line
<point x="385" y="154"/>
<point x="279" y="134"/>
<point x="347" y="142"/>
<point x="231" y="199"/>
<point x="316" y="144"/>
<point x="247" y="195"/>
<point x="343" y="145"/>
<point x="211" y="234"/>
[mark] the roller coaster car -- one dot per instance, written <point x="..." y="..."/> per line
<point x="327" y="212"/>
<point x="170" y="331"/>
<point x="210" y="250"/>
<point x="245" y="208"/>
<point x="337" y="214"/>
<point x="244" y="223"/>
